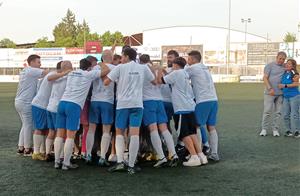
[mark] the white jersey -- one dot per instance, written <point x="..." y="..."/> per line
<point x="28" y="84"/>
<point x="202" y="83"/>
<point x="182" y="93"/>
<point x="58" y="89"/>
<point x="101" y="92"/>
<point x="41" y="99"/>
<point x="165" y="90"/>
<point x="131" y="77"/>
<point x="78" y="85"/>
<point x="151" y="91"/>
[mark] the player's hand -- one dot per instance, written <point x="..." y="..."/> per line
<point x="271" y="92"/>
<point x="296" y="78"/>
<point x="281" y="86"/>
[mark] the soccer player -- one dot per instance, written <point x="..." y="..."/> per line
<point x="184" y="106"/>
<point x="155" y="118"/>
<point x="71" y="104"/>
<point x="101" y="111"/>
<point x="206" y="99"/>
<point x="131" y="77"/>
<point x="27" y="88"/>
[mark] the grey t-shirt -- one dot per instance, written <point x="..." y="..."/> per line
<point x="275" y="72"/>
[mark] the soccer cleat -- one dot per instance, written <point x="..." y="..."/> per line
<point x="160" y="163"/>
<point x="49" y="158"/>
<point x="69" y="167"/>
<point x="117" y="167"/>
<point x="112" y="158"/>
<point x="88" y="159"/>
<point x="206" y="150"/>
<point x="214" y="157"/>
<point x="57" y="165"/>
<point x="192" y="162"/>
<point x="27" y="153"/>
<point x="133" y="170"/>
<point x="297" y="135"/>
<point x="276" y="133"/>
<point x="174" y="161"/>
<point x="38" y="156"/>
<point x="103" y="162"/>
<point x="203" y="159"/>
<point x="20" y="151"/>
<point x="288" y="134"/>
<point x="263" y="133"/>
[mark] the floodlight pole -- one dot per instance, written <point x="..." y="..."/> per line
<point x="228" y="38"/>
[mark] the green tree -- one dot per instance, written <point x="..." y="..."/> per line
<point x="7" y="43"/>
<point x="43" y="43"/>
<point x="108" y="39"/>
<point x="85" y="35"/>
<point x="290" y="37"/>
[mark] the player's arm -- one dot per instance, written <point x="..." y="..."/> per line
<point x="104" y="69"/>
<point x="44" y="73"/>
<point x="267" y="82"/>
<point x="106" y="80"/>
<point x="58" y="75"/>
<point x="294" y="84"/>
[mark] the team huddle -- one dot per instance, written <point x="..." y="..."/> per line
<point x="132" y="101"/>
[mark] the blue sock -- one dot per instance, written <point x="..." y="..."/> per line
<point x="203" y="135"/>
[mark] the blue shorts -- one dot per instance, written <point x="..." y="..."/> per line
<point x="206" y="113"/>
<point x="154" y="112"/>
<point x="51" y="120"/>
<point x="131" y="117"/>
<point x="68" y="116"/>
<point x="39" y="117"/>
<point x="101" y="112"/>
<point x="169" y="110"/>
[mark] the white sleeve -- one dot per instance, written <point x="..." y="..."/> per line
<point x="114" y="74"/>
<point x="35" y="72"/>
<point x="94" y="74"/>
<point x="148" y="74"/>
<point x="188" y="70"/>
<point x="170" y="78"/>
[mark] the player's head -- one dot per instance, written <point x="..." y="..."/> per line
<point x="194" y="57"/>
<point x="92" y="59"/>
<point x="34" y="61"/>
<point x="144" y="59"/>
<point x="107" y="56"/>
<point x="129" y="54"/>
<point x="179" y="63"/>
<point x="58" y="66"/>
<point x="84" y="64"/>
<point x="66" y="65"/>
<point x="291" y="64"/>
<point x="116" y="59"/>
<point x="171" y="55"/>
<point x="281" y="56"/>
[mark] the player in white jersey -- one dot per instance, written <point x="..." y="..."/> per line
<point x="184" y="106"/>
<point x="155" y="118"/>
<point x="131" y="77"/>
<point x="101" y="111"/>
<point x="58" y="87"/>
<point x="26" y="91"/>
<point x="39" y="114"/>
<point x="206" y="99"/>
<point x="71" y="104"/>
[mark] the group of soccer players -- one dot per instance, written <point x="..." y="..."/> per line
<point x="130" y="101"/>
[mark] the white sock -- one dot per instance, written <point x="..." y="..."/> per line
<point x="43" y="145"/>
<point x="199" y="134"/>
<point x="69" y="145"/>
<point x="213" y="141"/>
<point x="58" y="148"/>
<point x="206" y="144"/>
<point x="62" y="153"/>
<point x="90" y="137"/>
<point x="201" y="155"/>
<point x="194" y="157"/>
<point x="156" y="143"/>
<point x="169" y="141"/>
<point x="37" y="141"/>
<point x="49" y="143"/>
<point x="105" y="142"/>
<point x="133" y="149"/>
<point x="120" y="147"/>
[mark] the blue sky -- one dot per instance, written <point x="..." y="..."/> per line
<point x="27" y="20"/>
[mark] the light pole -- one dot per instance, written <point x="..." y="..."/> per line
<point x="246" y="21"/>
<point x="228" y="38"/>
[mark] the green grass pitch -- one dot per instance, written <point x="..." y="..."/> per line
<point x="250" y="165"/>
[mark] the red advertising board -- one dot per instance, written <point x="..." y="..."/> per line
<point x="74" y="50"/>
<point x="93" y="47"/>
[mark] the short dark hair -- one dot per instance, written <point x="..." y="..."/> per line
<point x="281" y="53"/>
<point x="144" y="58"/>
<point x="32" y="58"/>
<point x="58" y="65"/>
<point x="180" y="61"/>
<point x="116" y="56"/>
<point x="125" y="47"/>
<point x="91" y="58"/>
<point x="84" y="64"/>
<point x="173" y="52"/>
<point x="196" y="55"/>
<point x="131" y="53"/>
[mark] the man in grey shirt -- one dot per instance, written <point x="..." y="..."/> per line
<point x="273" y="95"/>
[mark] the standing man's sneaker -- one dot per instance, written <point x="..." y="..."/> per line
<point x="117" y="167"/>
<point x="276" y="133"/>
<point x="160" y="162"/>
<point x="20" y="151"/>
<point x="133" y="170"/>
<point x="214" y="157"/>
<point x="103" y="162"/>
<point x="174" y="161"/>
<point x="192" y="162"/>
<point x="288" y="134"/>
<point x="297" y="135"/>
<point x="69" y="167"/>
<point x="263" y="133"/>
<point x="203" y="159"/>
